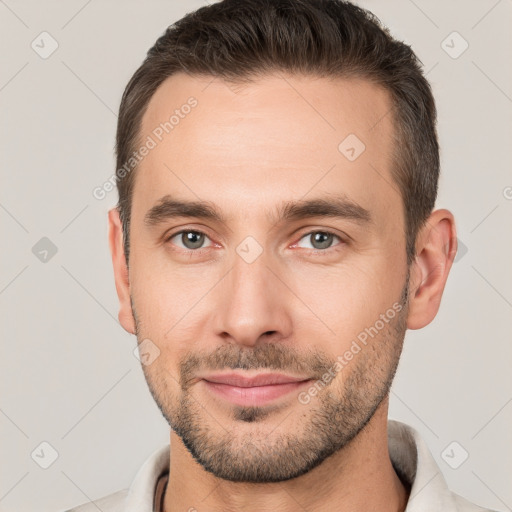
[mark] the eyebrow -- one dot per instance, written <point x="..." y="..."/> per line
<point x="337" y="206"/>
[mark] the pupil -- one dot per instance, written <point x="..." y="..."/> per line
<point x="196" y="239"/>
<point x="190" y="236"/>
<point x="318" y="238"/>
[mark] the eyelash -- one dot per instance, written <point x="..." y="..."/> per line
<point x="192" y="252"/>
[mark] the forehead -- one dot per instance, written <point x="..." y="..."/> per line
<point x="253" y="145"/>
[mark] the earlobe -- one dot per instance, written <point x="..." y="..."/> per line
<point x="121" y="274"/>
<point x="436" y="246"/>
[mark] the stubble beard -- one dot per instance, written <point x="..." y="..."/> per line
<point x="229" y="450"/>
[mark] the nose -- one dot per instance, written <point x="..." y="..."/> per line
<point x="253" y="304"/>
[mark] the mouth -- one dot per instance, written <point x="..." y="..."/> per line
<point x="257" y="390"/>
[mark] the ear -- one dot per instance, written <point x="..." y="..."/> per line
<point x="436" y="247"/>
<point x="115" y="238"/>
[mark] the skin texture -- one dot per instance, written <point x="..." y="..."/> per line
<point x="292" y="310"/>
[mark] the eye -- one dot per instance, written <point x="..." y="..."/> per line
<point x="191" y="239"/>
<point x="321" y="240"/>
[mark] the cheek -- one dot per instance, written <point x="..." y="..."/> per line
<point x="341" y="302"/>
<point x="164" y="296"/>
<point x="170" y="309"/>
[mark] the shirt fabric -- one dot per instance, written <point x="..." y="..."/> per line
<point x="409" y="455"/>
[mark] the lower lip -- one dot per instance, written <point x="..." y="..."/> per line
<point x="257" y="395"/>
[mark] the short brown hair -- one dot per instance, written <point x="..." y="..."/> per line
<point x="241" y="40"/>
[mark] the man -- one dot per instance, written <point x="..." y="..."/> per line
<point x="277" y="169"/>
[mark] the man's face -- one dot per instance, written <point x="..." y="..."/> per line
<point x="259" y="291"/>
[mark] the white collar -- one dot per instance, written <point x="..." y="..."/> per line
<point x="409" y="455"/>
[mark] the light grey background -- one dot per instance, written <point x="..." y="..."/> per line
<point x="68" y="373"/>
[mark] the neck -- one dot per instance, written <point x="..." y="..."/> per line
<point x="358" y="478"/>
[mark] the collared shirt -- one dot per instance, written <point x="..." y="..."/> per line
<point x="409" y="455"/>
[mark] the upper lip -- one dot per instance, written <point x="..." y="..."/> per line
<point x="263" y="379"/>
